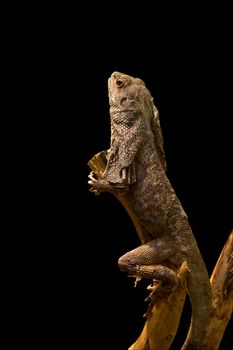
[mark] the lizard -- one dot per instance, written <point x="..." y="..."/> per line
<point x="136" y="175"/>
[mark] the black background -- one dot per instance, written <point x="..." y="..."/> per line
<point x="81" y="294"/>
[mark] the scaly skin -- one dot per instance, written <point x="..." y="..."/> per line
<point x="135" y="174"/>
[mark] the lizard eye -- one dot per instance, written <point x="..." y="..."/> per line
<point x="119" y="83"/>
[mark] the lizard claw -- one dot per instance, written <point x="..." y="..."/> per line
<point x="151" y="297"/>
<point x="91" y="176"/>
<point x="137" y="279"/>
<point x="157" y="292"/>
<point x="92" y="182"/>
<point x="153" y="288"/>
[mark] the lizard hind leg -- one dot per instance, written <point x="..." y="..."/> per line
<point x="164" y="283"/>
<point x="151" y="260"/>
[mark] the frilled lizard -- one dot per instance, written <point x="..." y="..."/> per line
<point x="135" y="174"/>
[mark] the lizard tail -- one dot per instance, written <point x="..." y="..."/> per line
<point x="199" y="290"/>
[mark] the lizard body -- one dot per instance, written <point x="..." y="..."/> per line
<point x="136" y="175"/>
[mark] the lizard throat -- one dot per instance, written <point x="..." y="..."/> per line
<point x="126" y="137"/>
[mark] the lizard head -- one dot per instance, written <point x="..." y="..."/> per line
<point x="129" y="95"/>
<point x="124" y="90"/>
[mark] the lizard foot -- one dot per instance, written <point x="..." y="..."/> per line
<point x="152" y="297"/>
<point x="158" y="291"/>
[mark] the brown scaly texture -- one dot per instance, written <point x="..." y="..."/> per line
<point x="136" y="162"/>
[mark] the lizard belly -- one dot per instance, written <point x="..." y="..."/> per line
<point x="146" y="203"/>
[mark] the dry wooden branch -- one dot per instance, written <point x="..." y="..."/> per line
<point x="222" y="288"/>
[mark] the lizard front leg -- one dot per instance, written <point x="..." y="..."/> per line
<point x="101" y="185"/>
<point x="151" y="260"/>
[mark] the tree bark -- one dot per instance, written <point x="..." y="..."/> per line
<point x="222" y="289"/>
